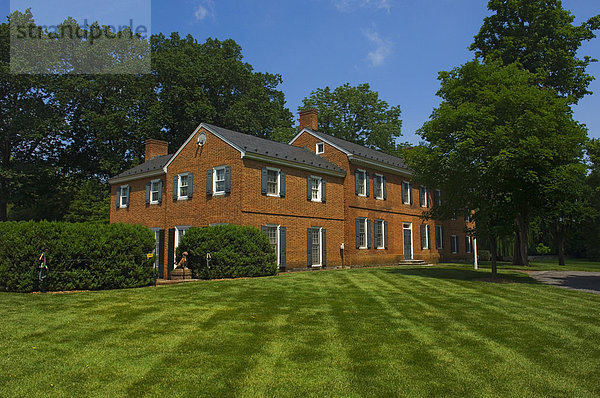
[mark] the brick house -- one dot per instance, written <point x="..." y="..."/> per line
<point x="310" y="197"/>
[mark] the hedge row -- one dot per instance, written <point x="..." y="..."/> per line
<point x="236" y="251"/>
<point x="79" y="256"/>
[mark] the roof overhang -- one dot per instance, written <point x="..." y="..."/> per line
<point x="146" y="174"/>
<point x="296" y="165"/>
<point x="316" y="135"/>
<point x="359" y="160"/>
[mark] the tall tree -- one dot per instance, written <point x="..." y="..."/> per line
<point x="357" y="114"/>
<point x="494" y="143"/>
<point x="541" y="36"/>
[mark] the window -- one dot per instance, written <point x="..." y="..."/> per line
<point x="406" y="193"/>
<point x="179" y="232"/>
<point x="156" y="246"/>
<point x="378" y="186"/>
<point x="361" y="233"/>
<point x="272" y="232"/>
<point x="155" y="187"/>
<point x="316" y="246"/>
<point x="454" y="244"/>
<point x="320" y="148"/>
<point x="439" y="237"/>
<point x="437" y="197"/>
<point x="361" y="182"/>
<point x="423" y="199"/>
<point x="468" y="244"/>
<point x="219" y="180"/>
<point x="183" y="184"/>
<point x="273" y="182"/>
<point x="315" y="189"/>
<point x="380" y="234"/>
<point x="124" y="197"/>
<point x="425" y="238"/>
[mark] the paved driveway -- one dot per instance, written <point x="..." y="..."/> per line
<point x="577" y="280"/>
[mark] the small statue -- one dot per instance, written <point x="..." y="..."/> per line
<point x="182" y="264"/>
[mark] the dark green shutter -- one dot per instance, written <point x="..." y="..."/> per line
<point x="384" y="189"/>
<point x="323" y="247"/>
<point x="356" y="182"/>
<point x="282" y="247"/>
<point x="227" y="179"/>
<point x="264" y="228"/>
<point x="357" y="226"/>
<point x="410" y="195"/>
<point x="263" y="181"/>
<point x="118" y="197"/>
<point x="367" y="187"/>
<point x="404" y="193"/>
<point x="308" y="188"/>
<point x="170" y="252"/>
<point x="423" y="236"/>
<point x="128" y="195"/>
<point x="368" y="234"/>
<point x="385" y="233"/>
<point x="190" y="185"/>
<point x="282" y="184"/>
<point x="161" y="253"/>
<point x="160" y="189"/>
<point x="209" y="183"/>
<point x="175" y="178"/>
<point x="309" y="247"/>
<point x="148" y="187"/>
<point x="323" y="191"/>
<point x="428" y="237"/>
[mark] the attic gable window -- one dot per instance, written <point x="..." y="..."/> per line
<point x="320" y="148"/>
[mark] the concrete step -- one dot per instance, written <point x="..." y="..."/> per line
<point x="414" y="262"/>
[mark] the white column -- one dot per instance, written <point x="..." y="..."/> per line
<point x="475" y="262"/>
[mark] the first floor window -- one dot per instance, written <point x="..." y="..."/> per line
<point x="468" y="244"/>
<point x="179" y="232"/>
<point x="316" y="246"/>
<point x="156" y="246"/>
<point x="439" y="237"/>
<point x="425" y="239"/>
<point x="362" y="233"/>
<point x="273" y="234"/>
<point x="219" y="179"/>
<point x="277" y="239"/>
<point x="454" y="244"/>
<point x="379" y="234"/>
<point x="155" y="191"/>
<point x="124" y="197"/>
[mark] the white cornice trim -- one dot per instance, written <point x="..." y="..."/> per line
<point x="282" y="162"/>
<point x="153" y="173"/>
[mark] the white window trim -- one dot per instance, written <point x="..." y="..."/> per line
<point x="278" y="194"/>
<point x="154" y="252"/>
<point x="317" y="148"/>
<point x="409" y="196"/>
<point x="179" y="196"/>
<point x="426" y="247"/>
<point x="320" y="232"/>
<point x="382" y="247"/>
<point x="439" y="195"/>
<point x="380" y="186"/>
<point x="154" y="202"/>
<point x="366" y="246"/>
<point x="439" y="242"/>
<point x="470" y="239"/>
<point x="364" y="195"/>
<point x="455" y="239"/>
<point x="277" y="235"/>
<point x="215" y="192"/>
<point x="121" y="196"/>
<point x="320" y="194"/>
<point x="409" y="225"/>
<point x="179" y="232"/>
<point x="426" y="195"/>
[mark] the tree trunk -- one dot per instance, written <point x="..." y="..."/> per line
<point x="3" y="210"/>
<point x="494" y="254"/>
<point x="521" y="241"/>
<point x="560" y="242"/>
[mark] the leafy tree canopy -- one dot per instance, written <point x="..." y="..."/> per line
<point x="358" y="115"/>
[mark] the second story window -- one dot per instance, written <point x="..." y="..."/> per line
<point x="423" y="199"/>
<point x="361" y="178"/>
<point x="437" y="197"/>
<point x="219" y="180"/>
<point x="155" y="189"/>
<point x="406" y="193"/>
<point x="273" y="182"/>
<point x="379" y="189"/>
<point x="124" y="196"/>
<point x="183" y="188"/>
<point x="316" y="189"/>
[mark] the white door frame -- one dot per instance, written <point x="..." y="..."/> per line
<point x="404" y="227"/>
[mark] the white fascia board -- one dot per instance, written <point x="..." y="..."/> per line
<point x="316" y="135"/>
<point x="282" y="162"/>
<point x="378" y="165"/>
<point x="200" y="126"/>
<point x="153" y="173"/>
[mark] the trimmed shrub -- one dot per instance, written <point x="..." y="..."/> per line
<point x="236" y="251"/>
<point x="80" y="256"/>
<point x="484" y="255"/>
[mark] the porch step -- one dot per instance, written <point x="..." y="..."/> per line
<point x="414" y="262"/>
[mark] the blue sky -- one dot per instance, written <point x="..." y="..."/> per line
<point x="397" y="46"/>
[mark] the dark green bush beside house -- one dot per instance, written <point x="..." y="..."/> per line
<point x="236" y="251"/>
<point x="80" y="256"/>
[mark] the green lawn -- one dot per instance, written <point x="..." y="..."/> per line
<point x="570" y="265"/>
<point x="361" y="332"/>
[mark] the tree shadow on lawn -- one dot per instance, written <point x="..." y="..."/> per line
<point x="463" y="274"/>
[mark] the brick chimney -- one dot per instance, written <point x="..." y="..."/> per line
<point x="309" y="119"/>
<point x="155" y="148"/>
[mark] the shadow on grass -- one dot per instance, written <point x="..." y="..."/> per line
<point x="463" y="274"/>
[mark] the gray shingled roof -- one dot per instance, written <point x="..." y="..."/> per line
<point x="362" y="151"/>
<point x="156" y="163"/>
<point x="274" y="149"/>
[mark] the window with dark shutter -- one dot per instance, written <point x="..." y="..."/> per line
<point x="282" y="247"/>
<point x="309" y="247"/>
<point x="209" y="182"/>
